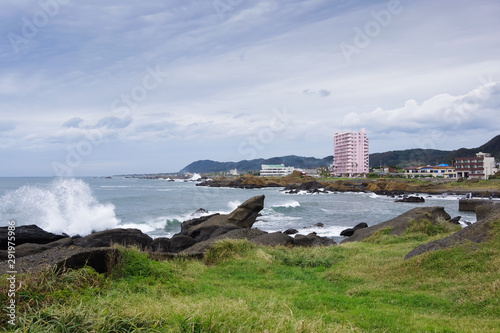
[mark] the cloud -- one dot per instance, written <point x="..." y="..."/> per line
<point x="320" y="93"/>
<point x="73" y="122"/>
<point x="6" y="126"/>
<point x="114" y="122"/>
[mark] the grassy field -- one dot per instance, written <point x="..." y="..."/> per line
<point x="242" y="287"/>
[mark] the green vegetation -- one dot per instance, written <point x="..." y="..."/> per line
<point x="242" y="287"/>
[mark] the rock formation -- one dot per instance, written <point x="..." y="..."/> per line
<point x="400" y="223"/>
<point x="478" y="232"/>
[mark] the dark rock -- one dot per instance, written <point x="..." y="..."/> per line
<point x="410" y="199"/>
<point x="481" y="231"/>
<point x="360" y="225"/>
<point x="456" y="220"/>
<point x="312" y="240"/>
<point x="347" y="232"/>
<point x="290" y="231"/>
<point x="199" y="211"/>
<point x="179" y="243"/>
<point x="206" y="227"/>
<point x="101" y="259"/>
<point x="27" y="249"/>
<point x="319" y="225"/>
<point x="160" y="244"/>
<point x="186" y="225"/>
<point x="273" y="239"/>
<point x="119" y="236"/>
<point x="309" y="187"/>
<point x="28" y="234"/>
<point x="245" y="215"/>
<point x="400" y="223"/>
<point x="350" y="231"/>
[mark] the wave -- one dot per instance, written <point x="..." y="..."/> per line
<point x="66" y="206"/>
<point x="289" y="204"/>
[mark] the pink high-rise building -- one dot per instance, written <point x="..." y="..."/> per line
<point x="351" y="153"/>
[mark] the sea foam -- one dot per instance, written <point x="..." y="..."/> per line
<point x="65" y="206"/>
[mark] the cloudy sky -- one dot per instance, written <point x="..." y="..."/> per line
<point x="130" y="86"/>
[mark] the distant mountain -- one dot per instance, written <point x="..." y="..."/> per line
<point x="207" y="166"/>
<point x="409" y="157"/>
<point x="400" y="158"/>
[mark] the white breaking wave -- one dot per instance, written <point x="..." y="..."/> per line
<point x="289" y="204"/>
<point x="66" y="206"/>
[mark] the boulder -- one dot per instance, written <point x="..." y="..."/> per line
<point x="193" y="222"/>
<point x="206" y="227"/>
<point x="273" y="239"/>
<point x="160" y="244"/>
<point x="400" y="223"/>
<point x="478" y="232"/>
<point x="350" y="231"/>
<point x="245" y="215"/>
<point x="119" y="236"/>
<point x="456" y="220"/>
<point x="312" y="240"/>
<point x="290" y="231"/>
<point x="179" y="243"/>
<point x="28" y="234"/>
<point x="101" y="259"/>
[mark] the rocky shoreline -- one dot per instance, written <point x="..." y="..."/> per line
<point x="37" y="249"/>
<point x="297" y="183"/>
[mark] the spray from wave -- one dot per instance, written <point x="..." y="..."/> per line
<point x="66" y="206"/>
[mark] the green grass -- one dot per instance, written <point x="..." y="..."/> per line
<point x="242" y="287"/>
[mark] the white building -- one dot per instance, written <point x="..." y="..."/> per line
<point x="275" y="170"/>
<point x="351" y="153"/>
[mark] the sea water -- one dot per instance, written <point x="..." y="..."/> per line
<point x="158" y="207"/>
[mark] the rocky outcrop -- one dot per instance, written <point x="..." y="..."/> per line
<point x="204" y="228"/>
<point x="400" y="223"/>
<point x="312" y="240"/>
<point x="28" y="234"/>
<point x="478" y="232"/>
<point x="410" y="199"/>
<point x="196" y="237"/>
<point x="115" y="236"/>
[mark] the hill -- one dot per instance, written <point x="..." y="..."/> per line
<point x="492" y="147"/>
<point x="409" y="157"/>
<point x="207" y="166"/>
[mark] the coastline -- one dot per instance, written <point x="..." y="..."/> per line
<point x="381" y="186"/>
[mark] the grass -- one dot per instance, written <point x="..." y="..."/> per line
<point x="241" y="287"/>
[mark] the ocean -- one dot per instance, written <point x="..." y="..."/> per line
<point x="79" y="206"/>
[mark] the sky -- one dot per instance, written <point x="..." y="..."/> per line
<point x="96" y="88"/>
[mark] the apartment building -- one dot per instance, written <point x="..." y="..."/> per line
<point x="480" y="167"/>
<point x="351" y="153"/>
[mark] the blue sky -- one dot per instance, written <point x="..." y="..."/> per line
<point x="129" y="86"/>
